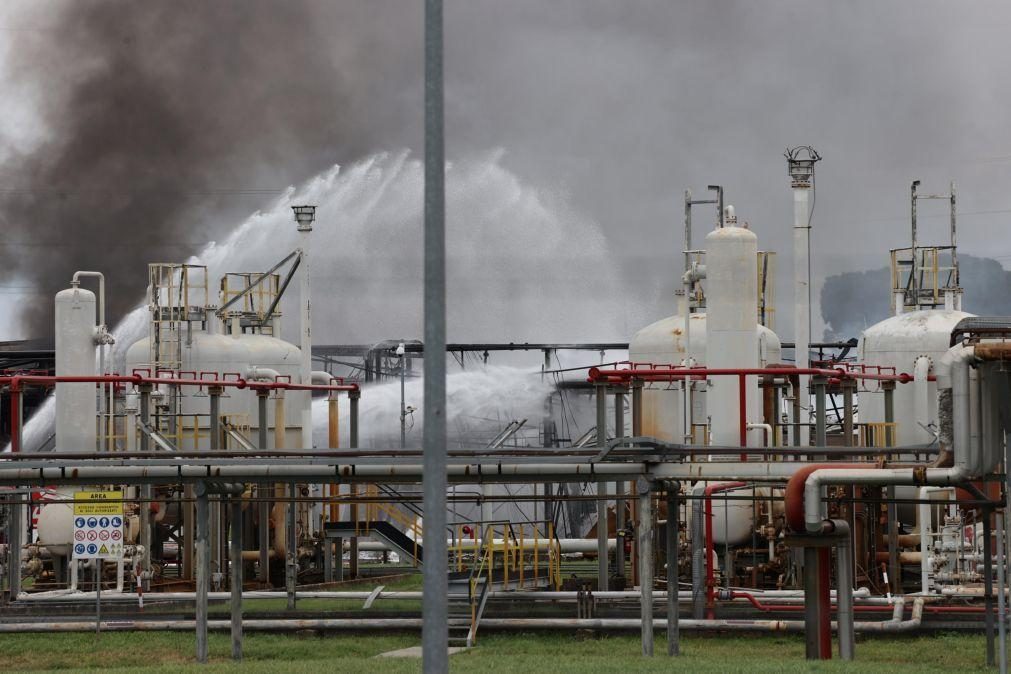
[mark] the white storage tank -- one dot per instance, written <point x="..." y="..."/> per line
<point x="234" y="355"/>
<point x="912" y="343"/>
<point x="661" y="343"/>
<point x="76" y="424"/>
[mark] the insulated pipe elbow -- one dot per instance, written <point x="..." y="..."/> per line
<point x="321" y="377"/>
<point x="794" y="499"/>
<point x="262" y="374"/>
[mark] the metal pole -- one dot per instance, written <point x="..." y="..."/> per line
<point x="819" y="420"/>
<point x="435" y="633"/>
<point x="403" y="406"/>
<point x="673" y="534"/>
<point x="988" y="586"/>
<point x="646" y="564"/>
<point x="353" y="398"/>
<point x="262" y="491"/>
<point x="291" y="556"/>
<point x="891" y="510"/>
<point x="98" y="595"/>
<point x="619" y="486"/>
<point x="844" y="599"/>
<point x="216" y="512"/>
<point x="145" y="489"/>
<point x="1001" y="604"/>
<point x="602" y="570"/>
<point x="15" y="531"/>
<point x="236" y="560"/>
<point x="812" y="649"/>
<point x="203" y="570"/>
<point x="912" y="269"/>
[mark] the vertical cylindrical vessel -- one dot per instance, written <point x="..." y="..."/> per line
<point x="731" y="325"/>
<point x="76" y="404"/>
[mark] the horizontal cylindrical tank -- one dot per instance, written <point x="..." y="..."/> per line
<point x="900" y="342"/>
<point x="662" y="343"/>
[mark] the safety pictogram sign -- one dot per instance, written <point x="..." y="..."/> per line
<point x="98" y="525"/>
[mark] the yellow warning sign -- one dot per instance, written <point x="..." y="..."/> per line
<point x="98" y="503"/>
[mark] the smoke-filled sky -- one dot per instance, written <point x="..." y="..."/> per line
<point x="134" y="131"/>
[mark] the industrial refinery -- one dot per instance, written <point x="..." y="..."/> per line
<point x="207" y="455"/>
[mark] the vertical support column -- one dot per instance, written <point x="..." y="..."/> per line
<point x="844" y="598"/>
<point x="673" y="534"/>
<point x="236" y="583"/>
<point x="145" y="489"/>
<point x="262" y="491"/>
<point x="1001" y="602"/>
<point x="435" y="634"/>
<point x="848" y="388"/>
<point x="216" y="511"/>
<point x="988" y="586"/>
<point x="291" y="549"/>
<point x="619" y="488"/>
<point x="201" y="544"/>
<point x="820" y="385"/>
<point x="602" y="555"/>
<point x="646" y="563"/>
<point x="811" y="611"/>
<point x="894" y="569"/>
<point x="15" y="531"/>
<point x="353" y="398"/>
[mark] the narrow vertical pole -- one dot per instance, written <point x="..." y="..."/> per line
<point x="146" y="539"/>
<point x="619" y="487"/>
<point x="98" y="594"/>
<point x="848" y="387"/>
<point x="236" y="559"/>
<point x="353" y="398"/>
<point x="291" y="556"/>
<point x="1001" y="603"/>
<point x="262" y="490"/>
<point x="216" y="512"/>
<point x="811" y="603"/>
<point x="891" y="512"/>
<point x="844" y="599"/>
<point x="435" y="634"/>
<point x="602" y="555"/>
<point x="646" y="563"/>
<point x="673" y="534"/>
<point x="15" y="532"/>
<point x="819" y="420"/>
<point x="203" y="569"/>
<point x="988" y="586"/>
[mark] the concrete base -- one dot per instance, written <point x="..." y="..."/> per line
<point x="415" y="652"/>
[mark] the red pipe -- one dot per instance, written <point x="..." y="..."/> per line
<point x="710" y="545"/>
<point x="794" y="498"/>
<point x="825" y="603"/>
<point x="596" y="374"/>
<point x="17" y="382"/>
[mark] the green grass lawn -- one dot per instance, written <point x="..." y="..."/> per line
<point x="520" y="653"/>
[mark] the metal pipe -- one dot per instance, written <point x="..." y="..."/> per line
<point x="892" y="626"/>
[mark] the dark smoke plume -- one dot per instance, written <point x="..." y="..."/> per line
<point x="166" y="120"/>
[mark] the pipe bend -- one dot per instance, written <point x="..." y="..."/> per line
<point x="795" y="492"/>
<point x="956" y="354"/>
